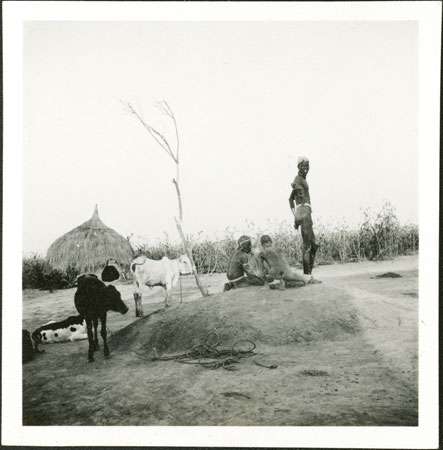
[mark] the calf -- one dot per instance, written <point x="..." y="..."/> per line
<point x="164" y="273"/>
<point x="93" y="299"/>
<point x="71" y="329"/>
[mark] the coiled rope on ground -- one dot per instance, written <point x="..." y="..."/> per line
<point x="209" y="356"/>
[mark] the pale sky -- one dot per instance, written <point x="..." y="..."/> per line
<point x="249" y="98"/>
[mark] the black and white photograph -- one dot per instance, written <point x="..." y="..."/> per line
<point x="220" y="224"/>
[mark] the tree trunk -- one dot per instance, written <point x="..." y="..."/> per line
<point x="202" y="288"/>
<point x="163" y="142"/>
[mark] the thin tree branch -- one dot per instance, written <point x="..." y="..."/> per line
<point x="166" y="109"/>
<point x="177" y="188"/>
<point x="178" y="140"/>
<point x="159" y="138"/>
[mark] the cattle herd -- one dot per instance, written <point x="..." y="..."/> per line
<point x="93" y="299"/>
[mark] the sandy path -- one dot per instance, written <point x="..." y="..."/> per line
<point x="402" y="263"/>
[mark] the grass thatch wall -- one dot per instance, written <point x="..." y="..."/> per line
<point x="89" y="246"/>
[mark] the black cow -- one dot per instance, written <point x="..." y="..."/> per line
<point x="82" y="277"/>
<point x="111" y="272"/>
<point x="93" y="299"/>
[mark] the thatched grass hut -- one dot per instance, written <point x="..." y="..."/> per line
<point x="89" y="246"/>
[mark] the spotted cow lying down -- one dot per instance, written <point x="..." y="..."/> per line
<point x="71" y="329"/>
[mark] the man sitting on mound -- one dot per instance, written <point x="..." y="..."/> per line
<point x="275" y="267"/>
<point x="239" y="273"/>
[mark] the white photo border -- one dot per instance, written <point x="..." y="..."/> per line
<point x="428" y="16"/>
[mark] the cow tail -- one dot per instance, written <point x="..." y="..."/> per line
<point x="137" y="264"/>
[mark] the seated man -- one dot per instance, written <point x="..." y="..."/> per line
<point x="238" y="272"/>
<point x="273" y="263"/>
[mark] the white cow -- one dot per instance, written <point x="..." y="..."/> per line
<point x="164" y="273"/>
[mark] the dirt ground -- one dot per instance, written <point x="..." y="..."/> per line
<point x="345" y="351"/>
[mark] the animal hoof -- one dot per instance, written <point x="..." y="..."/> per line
<point x="90" y="359"/>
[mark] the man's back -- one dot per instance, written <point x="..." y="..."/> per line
<point x="274" y="261"/>
<point x="235" y="265"/>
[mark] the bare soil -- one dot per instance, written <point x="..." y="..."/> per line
<point x="345" y="351"/>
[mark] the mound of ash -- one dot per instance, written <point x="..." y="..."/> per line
<point x="388" y="275"/>
<point x="273" y="318"/>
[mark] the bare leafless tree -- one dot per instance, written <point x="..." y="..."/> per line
<point x="175" y="155"/>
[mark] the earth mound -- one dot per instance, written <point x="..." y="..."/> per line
<point x="272" y="318"/>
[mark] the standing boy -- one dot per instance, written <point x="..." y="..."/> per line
<point x="302" y="214"/>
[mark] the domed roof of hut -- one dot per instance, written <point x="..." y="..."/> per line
<point x="89" y="246"/>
